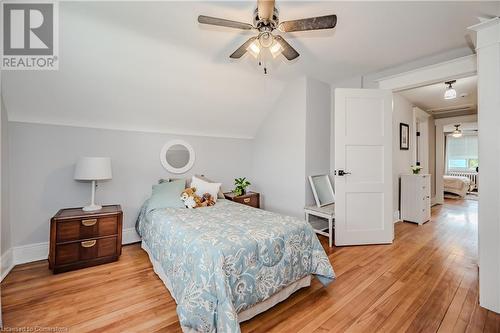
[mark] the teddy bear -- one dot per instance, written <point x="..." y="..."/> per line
<point x="190" y="198"/>
<point x="207" y="200"/>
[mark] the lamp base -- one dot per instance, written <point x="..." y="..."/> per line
<point x="91" y="208"/>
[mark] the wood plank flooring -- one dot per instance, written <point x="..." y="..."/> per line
<point x="427" y="281"/>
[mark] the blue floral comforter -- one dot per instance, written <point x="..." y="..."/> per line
<point x="223" y="259"/>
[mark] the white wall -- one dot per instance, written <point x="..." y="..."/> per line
<point x="431" y="130"/>
<point x="279" y="152"/>
<point x="292" y="143"/>
<point x="488" y="53"/>
<point x="402" y="160"/>
<point x="43" y="156"/>
<point x="5" y="225"/>
<point x="318" y="132"/>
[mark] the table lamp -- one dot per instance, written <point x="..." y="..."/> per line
<point x="93" y="169"/>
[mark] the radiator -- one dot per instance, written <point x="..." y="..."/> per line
<point x="471" y="175"/>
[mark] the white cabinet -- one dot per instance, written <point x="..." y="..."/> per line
<point x="416" y="198"/>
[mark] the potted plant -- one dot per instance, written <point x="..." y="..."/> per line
<point x="416" y="169"/>
<point x="240" y="186"/>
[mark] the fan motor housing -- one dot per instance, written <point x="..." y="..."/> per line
<point x="266" y="25"/>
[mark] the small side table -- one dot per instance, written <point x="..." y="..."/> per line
<point x="81" y="239"/>
<point x="326" y="212"/>
<point x="251" y="199"/>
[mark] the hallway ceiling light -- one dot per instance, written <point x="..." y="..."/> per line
<point x="450" y="93"/>
<point x="457" y="132"/>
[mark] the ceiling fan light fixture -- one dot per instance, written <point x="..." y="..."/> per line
<point x="266" y="39"/>
<point x="276" y="49"/>
<point x="457" y="133"/>
<point x="450" y="93"/>
<point x="254" y="48"/>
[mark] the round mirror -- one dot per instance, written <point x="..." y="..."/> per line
<point x="177" y="156"/>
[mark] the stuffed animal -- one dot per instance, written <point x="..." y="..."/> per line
<point x="207" y="200"/>
<point x="190" y="198"/>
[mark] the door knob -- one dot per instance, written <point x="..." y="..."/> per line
<point x="342" y="172"/>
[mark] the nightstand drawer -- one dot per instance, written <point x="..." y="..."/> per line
<point x="251" y="199"/>
<point x="86" y="250"/>
<point x="72" y="230"/>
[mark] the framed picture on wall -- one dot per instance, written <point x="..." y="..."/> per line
<point x="404" y="136"/>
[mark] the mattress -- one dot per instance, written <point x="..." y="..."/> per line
<point x="456" y="185"/>
<point x="249" y="313"/>
<point x="222" y="260"/>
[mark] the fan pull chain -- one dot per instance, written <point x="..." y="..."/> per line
<point x="265" y="66"/>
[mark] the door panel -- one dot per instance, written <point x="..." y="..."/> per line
<point x="363" y="150"/>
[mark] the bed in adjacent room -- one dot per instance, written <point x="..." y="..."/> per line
<point x="456" y="185"/>
<point x="227" y="263"/>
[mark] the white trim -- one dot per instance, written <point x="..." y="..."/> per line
<point x="452" y="69"/>
<point x="488" y="52"/>
<point x="130" y="236"/>
<point x="40" y="251"/>
<point x="31" y="252"/>
<point x="21" y="119"/>
<point x="7" y="263"/>
<point x="440" y="165"/>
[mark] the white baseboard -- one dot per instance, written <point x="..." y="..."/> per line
<point x="31" y="252"/>
<point x="40" y="251"/>
<point x="7" y="263"/>
<point x="129" y="236"/>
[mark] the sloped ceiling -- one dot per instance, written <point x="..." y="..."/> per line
<point x="150" y="66"/>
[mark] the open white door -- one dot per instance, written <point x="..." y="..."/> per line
<point x="363" y="167"/>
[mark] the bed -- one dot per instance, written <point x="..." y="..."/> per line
<point x="456" y="185"/>
<point x="227" y="263"/>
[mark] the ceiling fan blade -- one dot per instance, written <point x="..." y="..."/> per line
<point x="265" y="9"/>
<point x="288" y="51"/>
<point x="240" y="51"/>
<point x="224" y="23"/>
<point x="313" y="23"/>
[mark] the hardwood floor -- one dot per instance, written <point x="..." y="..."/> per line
<point x="427" y="281"/>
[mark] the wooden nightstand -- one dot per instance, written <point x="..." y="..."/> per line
<point x="81" y="239"/>
<point x="251" y="199"/>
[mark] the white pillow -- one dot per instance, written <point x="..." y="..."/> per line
<point x="203" y="187"/>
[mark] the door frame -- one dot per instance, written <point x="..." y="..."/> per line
<point x="440" y="150"/>
<point x="437" y="73"/>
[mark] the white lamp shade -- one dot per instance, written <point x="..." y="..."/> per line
<point x="93" y="168"/>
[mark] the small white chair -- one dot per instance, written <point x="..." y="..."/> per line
<point x="325" y="206"/>
<point x="326" y="212"/>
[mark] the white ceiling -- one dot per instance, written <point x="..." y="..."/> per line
<point x="431" y="98"/>
<point x="150" y="66"/>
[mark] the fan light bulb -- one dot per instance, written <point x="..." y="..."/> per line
<point x="276" y="49"/>
<point x="254" y="48"/>
<point x="450" y="93"/>
<point x="457" y="132"/>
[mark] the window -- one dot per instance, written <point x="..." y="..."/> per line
<point x="461" y="153"/>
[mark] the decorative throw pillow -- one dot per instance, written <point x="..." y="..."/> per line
<point x="220" y="194"/>
<point x="167" y="195"/>
<point x="203" y="187"/>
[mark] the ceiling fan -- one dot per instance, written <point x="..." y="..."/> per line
<point x="266" y="21"/>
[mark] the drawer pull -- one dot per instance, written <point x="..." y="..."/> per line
<point x="89" y="223"/>
<point x="88" y="243"/>
<point x="246" y="200"/>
